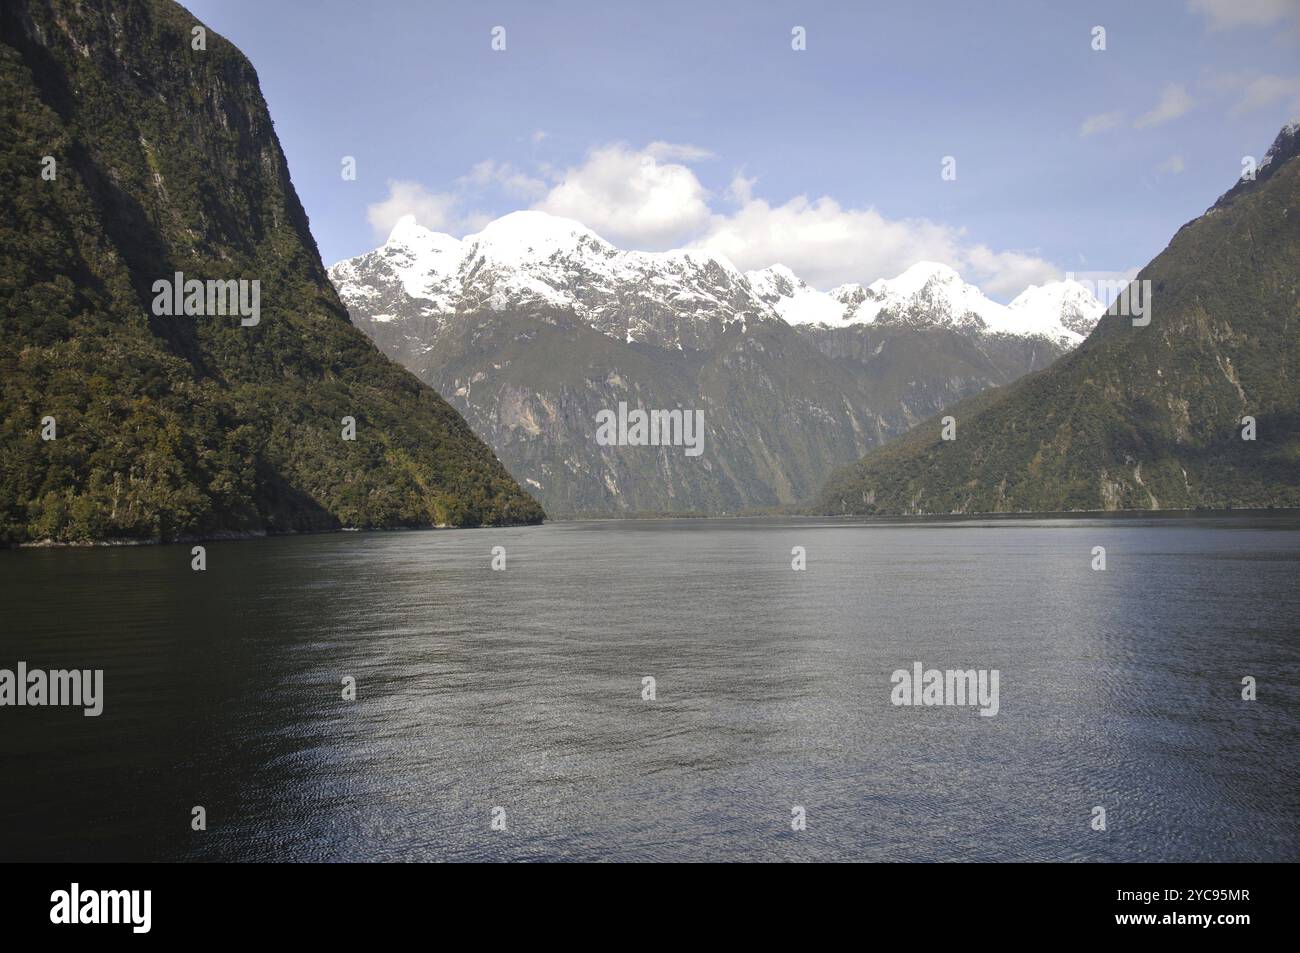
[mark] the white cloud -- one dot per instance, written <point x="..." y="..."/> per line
<point x="435" y="210"/>
<point x="678" y="152"/>
<point x="1100" y="123"/>
<point x="1227" y="14"/>
<point x="827" y="244"/>
<point x="512" y="181"/>
<point x="741" y="189"/>
<point x="635" y="198"/>
<point x="1005" y="273"/>
<point x="1265" y="91"/>
<point x="642" y="198"/>
<point x="1173" y="165"/>
<point x="1175" y="101"/>
<point x="449" y="211"/>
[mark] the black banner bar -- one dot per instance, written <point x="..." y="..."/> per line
<point x="1220" y="903"/>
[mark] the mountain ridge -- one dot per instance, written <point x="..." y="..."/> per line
<point x="532" y="257"/>
<point x="534" y="325"/>
<point x="1141" y="416"/>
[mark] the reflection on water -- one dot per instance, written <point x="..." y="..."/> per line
<point x="522" y="690"/>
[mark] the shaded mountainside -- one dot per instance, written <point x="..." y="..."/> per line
<point x="1137" y="417"/>
<point x="535" y="325"/>
<point x="167" y="162"/>
<point x="782" y="406"/>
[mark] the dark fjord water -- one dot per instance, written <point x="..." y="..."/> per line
<point x="522" y="689"/>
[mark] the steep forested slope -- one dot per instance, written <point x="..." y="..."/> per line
<point x="165" y="161"/>
<point x="1137" y="417"/>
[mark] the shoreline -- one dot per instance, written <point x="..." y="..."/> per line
<point x="239" y="535"/>
<point x="846" y="518"/>
<point x="931" y="517"/>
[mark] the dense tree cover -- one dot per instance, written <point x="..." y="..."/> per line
<point x="166" y="161"/>
<point x="1137" y="417"/>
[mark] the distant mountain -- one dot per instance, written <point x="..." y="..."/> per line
<point x="535" y="325"/>
<point x="929" y="294"/>
<point x="162" y="159"/>
<point x="1068" y="302"/>
<point x="1141" y="416"/>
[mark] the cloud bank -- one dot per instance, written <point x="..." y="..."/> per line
<point x="650" y="199"/>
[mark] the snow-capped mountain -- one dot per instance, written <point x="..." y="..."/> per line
<point x="535" y="260"/>
<point x="1074" y="305"/>
<point x="534" y="325"/>
<point x="790" y="297"/>
<point x="932" y="294"/>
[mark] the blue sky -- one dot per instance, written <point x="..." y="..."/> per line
<point x="673" y="123"/>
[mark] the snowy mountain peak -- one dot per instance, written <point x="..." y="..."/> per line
<point x="776" y="281"/>
<point x="790" y="297"/>
<point x="850" y="295"/>
<point x="693" y="258"/>
<point x="424" y="248"/>
<point x="931" y="293"/>
<point x="1078" y="308"/>
<point x="528" y="236"/>
<point x="407" y="231"/>
<point x="916" y="277"/>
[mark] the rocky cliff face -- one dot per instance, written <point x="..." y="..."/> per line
<point x="162" y="159"/>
